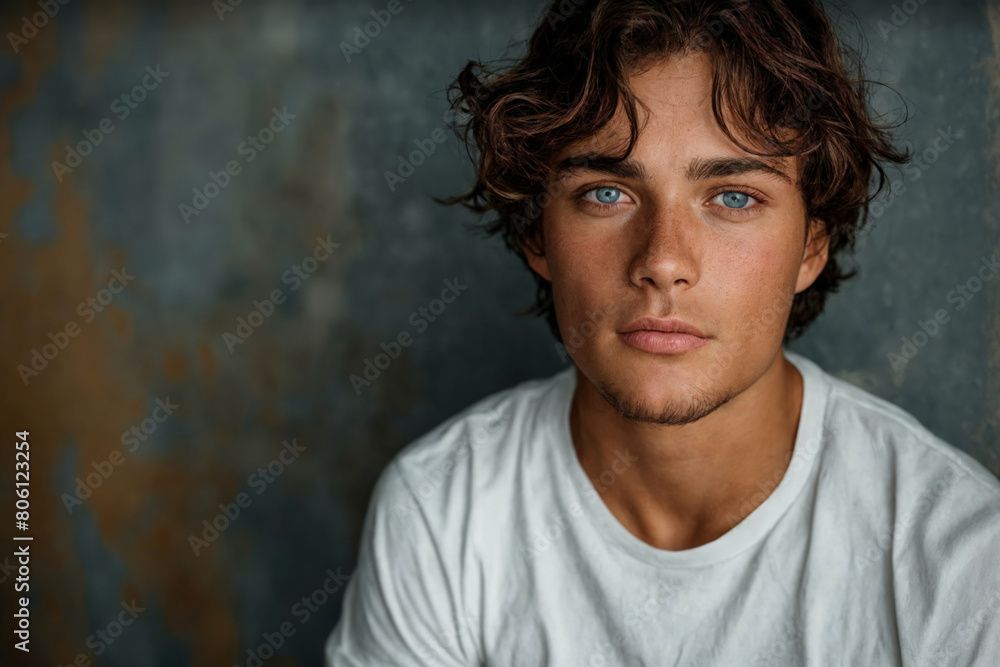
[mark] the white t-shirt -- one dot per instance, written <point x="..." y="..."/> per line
<point x="485" y="543"/>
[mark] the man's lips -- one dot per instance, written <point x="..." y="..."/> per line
<point x="662" y="336"/>
<point x="670" y="325"/>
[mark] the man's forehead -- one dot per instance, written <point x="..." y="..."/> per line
<point x="720" y="156"/>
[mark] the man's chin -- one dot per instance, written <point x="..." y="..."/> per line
<point x="660" y="404"/>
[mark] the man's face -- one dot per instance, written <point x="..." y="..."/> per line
<point x="695" y="229"/>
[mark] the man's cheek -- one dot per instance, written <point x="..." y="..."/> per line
<point x="738" y="299"/>
<point x="585" y="316"/>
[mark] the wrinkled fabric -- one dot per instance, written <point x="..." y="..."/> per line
<point x="485" y="543"/>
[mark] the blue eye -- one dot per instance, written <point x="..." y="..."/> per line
<point x="607" y="195"/>
<point x="735" y="199"/>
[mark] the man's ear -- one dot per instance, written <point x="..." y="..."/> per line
<point x="814" y="255"/>
<point x="534" y="253"/>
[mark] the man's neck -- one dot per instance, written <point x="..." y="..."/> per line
<point x="689" y="482"/>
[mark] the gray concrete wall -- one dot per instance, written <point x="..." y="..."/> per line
<point x="164" y="333"/>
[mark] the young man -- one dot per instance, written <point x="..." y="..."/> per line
<point x="683" y="179"/>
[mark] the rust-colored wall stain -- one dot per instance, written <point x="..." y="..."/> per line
<point x="43" y="405"/>
<point x="163" y="336"/>
<point x="81" y="403"/>
<point x="209" y="366"/>
<point x="174" y="366"/>
<point x="134" y="527"/>
<point x="108" y="25"/>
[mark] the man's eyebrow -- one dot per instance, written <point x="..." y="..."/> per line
<point x="606" y="164"/>
<point x="698" y="169"/>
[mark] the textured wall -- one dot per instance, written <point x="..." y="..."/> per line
<point x="133" y="301"/>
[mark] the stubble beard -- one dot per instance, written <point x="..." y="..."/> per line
<point x="696" y="405"/>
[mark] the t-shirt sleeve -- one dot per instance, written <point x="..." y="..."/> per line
<point x="402" y="607"/>
<point x="948" y="570"/>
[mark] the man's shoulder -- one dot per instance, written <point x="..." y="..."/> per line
<point x="931" y="512"/>
<point x="898" y="448"/>
<point x="481" y="441"/>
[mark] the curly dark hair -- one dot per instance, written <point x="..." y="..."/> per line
<point x="791" y="87"/>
